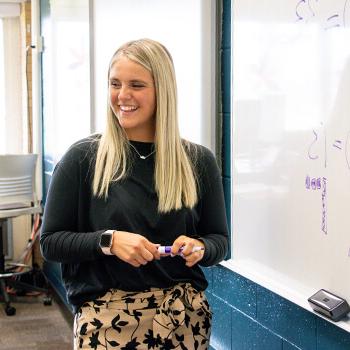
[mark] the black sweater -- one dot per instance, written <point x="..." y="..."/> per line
<point x="74" y="220"/>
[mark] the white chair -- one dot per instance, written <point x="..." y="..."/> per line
<point x="17" y="197"/>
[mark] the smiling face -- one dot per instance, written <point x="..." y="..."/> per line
<point x="132" y="98"/>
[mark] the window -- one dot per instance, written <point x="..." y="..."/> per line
<point x="187" y="29"/>
<point x="12" y="123"/>
<point x="2" y="92"/>
<point x="66" y="76"/>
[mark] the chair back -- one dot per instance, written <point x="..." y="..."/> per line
<point x="17" y="180"/>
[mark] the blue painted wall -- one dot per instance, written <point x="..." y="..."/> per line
<point x="246" y="315"/>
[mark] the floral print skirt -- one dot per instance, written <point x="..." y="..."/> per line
<point x="172" y="318"/>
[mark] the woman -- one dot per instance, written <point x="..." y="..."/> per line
<point x="115" y="199"/>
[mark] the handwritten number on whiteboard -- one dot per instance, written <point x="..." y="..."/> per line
<point x="313" y="142"/>
<point x="304" y="6"/>
<point x="337" y="144"/>
<point x="332" y="21"/>
<point x="300" y="17"/>
<point x="334" y="16"/>
<point x="307" y="9"/>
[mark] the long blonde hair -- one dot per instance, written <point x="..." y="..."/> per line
<point x="175" y="177"/>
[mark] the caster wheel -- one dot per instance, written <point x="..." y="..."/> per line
<point x="47" y="301"/>
<point x="10" y="310"/>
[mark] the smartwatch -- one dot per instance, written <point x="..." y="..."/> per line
<point x="106" y="241"/>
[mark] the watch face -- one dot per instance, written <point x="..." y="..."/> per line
<point x="106" y="240"/>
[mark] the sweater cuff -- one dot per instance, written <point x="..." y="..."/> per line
<point x="97" y="243"/>
<point x="205" y="261"/>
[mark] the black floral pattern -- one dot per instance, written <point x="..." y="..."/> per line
<point x="151" y="341"/>
<point x="94" y="342"/>
<point x="174" y="318"/>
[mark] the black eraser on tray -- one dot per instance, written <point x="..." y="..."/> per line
<point x="329" y="305"/>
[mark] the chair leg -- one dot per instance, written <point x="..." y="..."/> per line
<point x="29" y="287"/>
<point x="26" y="281"/>
<point x="36" y="281"/>
<point x="9" y="310"/>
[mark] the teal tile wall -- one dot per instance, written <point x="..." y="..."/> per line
<point x="247" y="316"/>
<point x="208" y="271"/>
<point x="238" y="292"/>
<point x="221" y="327"/>
<point x="289" y="346"/>
<point x="282" y="316"/>
<point x="248" y="334"/>
<point x="331" y="337"/>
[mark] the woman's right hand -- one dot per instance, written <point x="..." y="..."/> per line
<point x="134" y="248"/>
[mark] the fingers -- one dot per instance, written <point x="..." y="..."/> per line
<point x="153" y="249"/>
<point x="194" y="258"/>
<point x="143" y="253"/>
<point x="138" y="250"/>
<point x="180" y="243"/>
<point x="133" y="248"/>
<point x="184" y="246"/>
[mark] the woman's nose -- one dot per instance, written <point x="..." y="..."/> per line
<point x="124" y="92"/>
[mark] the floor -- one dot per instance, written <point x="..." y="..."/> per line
<point x="36" y="326"/>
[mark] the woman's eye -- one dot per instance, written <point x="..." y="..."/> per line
<point x="132" y="85"/>
<point x="116" y="85"/>
<point x="137" y="85"/>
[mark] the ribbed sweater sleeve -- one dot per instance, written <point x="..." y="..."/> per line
<point x="63" y="238"/>
<point x="213" y="224"/>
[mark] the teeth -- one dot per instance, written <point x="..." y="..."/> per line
<point x="127" y="108"/>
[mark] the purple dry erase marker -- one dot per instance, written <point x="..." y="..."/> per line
<point x="166" y="250"/>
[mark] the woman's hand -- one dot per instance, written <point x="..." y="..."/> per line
<point x="187" y="244"/>
<point x="134" y="248"/>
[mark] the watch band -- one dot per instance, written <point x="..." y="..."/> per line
<point x="106" y="241"/>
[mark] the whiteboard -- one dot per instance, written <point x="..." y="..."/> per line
<point x="291" y="143"/>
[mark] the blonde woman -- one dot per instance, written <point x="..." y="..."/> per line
<point x="116" y="199"/>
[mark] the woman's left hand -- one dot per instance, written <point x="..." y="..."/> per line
<point x="187" y="244"/>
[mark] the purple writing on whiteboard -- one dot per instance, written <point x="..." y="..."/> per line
<point x="314" y="153"/>
<point x="337" y="144"/>
<point x="324" y="205"/>
<point x="314" y="183"/>
<point x="307" y="182"/>
<point x="307" y="10"/>
<point x="313" y="156"/>
<point x="318" y="184"/>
